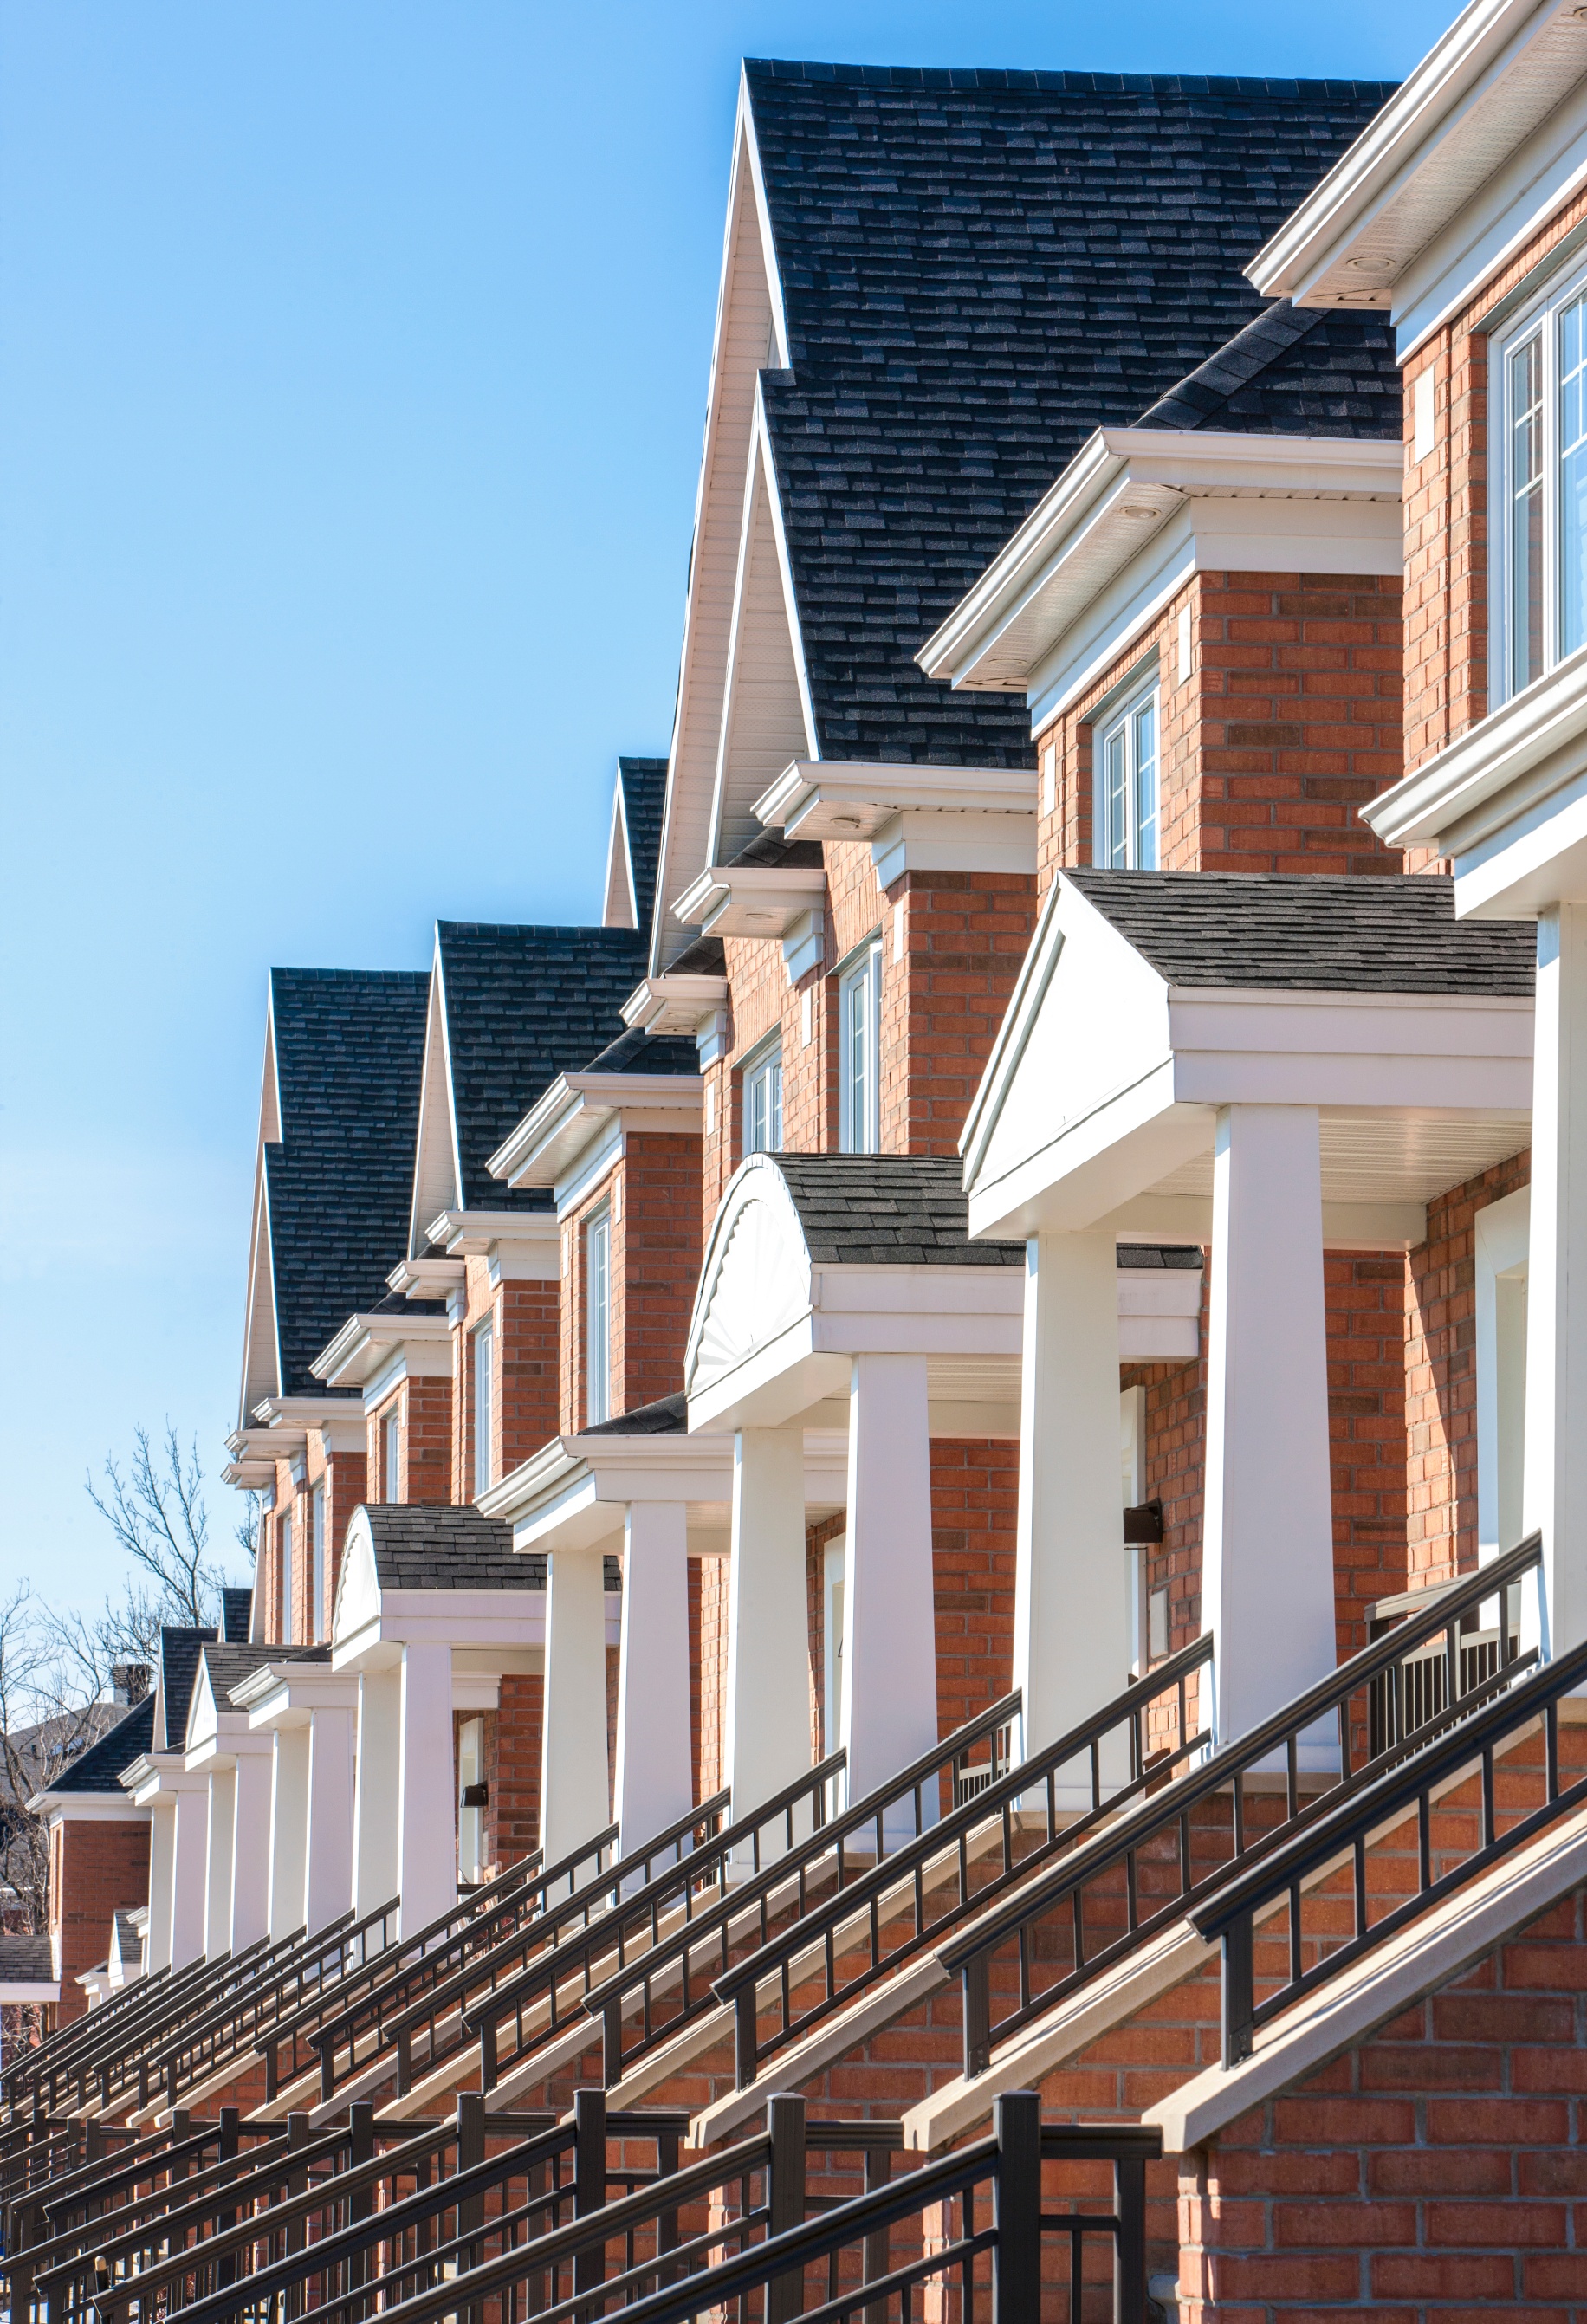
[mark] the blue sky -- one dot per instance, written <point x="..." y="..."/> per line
<point x="352" y="371"/>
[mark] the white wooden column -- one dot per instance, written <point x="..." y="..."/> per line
<point x="427" y="1811"/>
<point x="890" y="1619"/>
<point x="289" y="1830"/>
<point x="1554" y="1489"/>
<point x="768" y="1649"/>
<point x="189" y="1870"/>
<point x="374" y="1807"/>
<point x="330" y="1834"/>
<point x="162" y="1865"/>
<point x="1267" y="1559"/>
<point x="576" y="1791"/>
<point x="1071" y="1646"/>
<point x="221" y="1861"/>
<point x="655" y="1756"/>
<point x="250" y="1899"/>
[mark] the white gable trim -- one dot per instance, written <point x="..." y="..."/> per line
<point x="751" y="329"/>
<point x="438" y="1162"/>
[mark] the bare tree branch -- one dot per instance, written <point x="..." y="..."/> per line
<point x="159" y="1517"/>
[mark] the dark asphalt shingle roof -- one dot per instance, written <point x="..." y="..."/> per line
<point x="522" y="1006"/>
<point x="229" y="1665"/>
<point x="25" y="1959"/>
<point x="705" y="956"/>
<point x="237" y="1615"/>
<point x="98" y="1767"/>
<point x="173" y="1693"/>
<point x="770" y="849"/>
<point x="428" y="1546"/>
<point x="644" y="793"/>
<point x="637" y="1052"/>
<point x="907" y="1210"/>
<point x="1312" y="933"/>
<point x="1294" y="373"/>
<point x="667" y="1415"/>
<point x="979" y="269"/>
<point x="349" y="1054"/>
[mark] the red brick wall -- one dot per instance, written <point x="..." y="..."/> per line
<point x="423" y="1406"/>
<point x="653" y="1196"/>
<point x="1289" y="721"/>
<point x="525" y="1320"/>
<point x="975" y="1509"/>
<point x="512" y="1829"/>
<point x="1436" y="2169"/>
<point x="97" y="1870"/>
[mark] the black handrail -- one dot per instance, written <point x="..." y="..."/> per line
<point x="1343" y="1836"/>
<point x="826" y="1929"/>
<point x="46" y="2069"/>
<point x="389" y="2009"/>
<point x="785" y="1876"/>
<point x="1008" y="2164"/>
<point x="517" y="1896"/>
<point x="1167" y="1820"/>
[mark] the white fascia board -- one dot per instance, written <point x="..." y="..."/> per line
<point x="830" y="798"/>
<point x="522" y="1242"/>
<point x="576" y="1110"/>
<point x="305" y="1412"/>
<point x="267" y="1443"/>
<point x="13" y="1991"/>
<point x="505" y="1620"/>
<point x="365" y="1345"/>
<point x="163" y="1776"/>
<point x="749" y="899"/>
<point x="438" y="1168"/>
<point x="248" y="1476"/>
<point x="1499" y="772"/>
<point x="1119" y="490"/>
<point x="1480" y="90"/>
<point x="289" y="1697"/>
<point x="673" y="1004"/>
<point x="543" y="1474"/>
<point x="88" y="1807"/>
<point x="427" y="1279"/>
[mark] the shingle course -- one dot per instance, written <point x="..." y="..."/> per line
<point x="420" y="1545"/>
<point x="980" y="268"/>
<point x="644" y="794"/>
<point x="1328" y="372"/>
<point x="349" y="1051"/>
<point x="1312" y="931"/>
<point x="524" y="1004"/>
<point x="97" y="1768"/>
<point x="902" y="1210"/>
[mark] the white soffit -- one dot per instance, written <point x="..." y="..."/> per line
<point x="1320" y="504"/>
<point x="832" y="799"/>
<point x="1478" y="96"/>
<point x="752" y="900"/>
<point x="751" y="333"/>
<point x="576" y="1109"/>
<point x="674" y="1004"/>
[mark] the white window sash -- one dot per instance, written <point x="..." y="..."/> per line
<point x="1129" y="753"/>
<point x="1537" y="509"/>
<point x="484" y="1391"/>
<point x="598" y="1318"/>
<point x="860" y="1045"/>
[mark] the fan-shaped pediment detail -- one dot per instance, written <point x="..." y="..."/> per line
<point x="756" y="1281"/>
<point x="358" y="1599"/>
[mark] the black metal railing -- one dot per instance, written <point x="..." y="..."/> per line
<point x="59" y="2044"/>
<point x="82" y="2075"/>
<point x="1149" y="1868"/>
<point x="1293" y="1876"/>
<point x="999" y="1836"/>
<point x="730" y="2235"/>
<point x="375" y="2025"/>
<point x="41" y="2075"/>
<point x="668" y="1987"/>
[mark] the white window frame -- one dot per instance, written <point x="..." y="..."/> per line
<point x="317" y="1626"/>
<point x="1542" y="323"/>
<point x="859" y="1013"/>
<point x="283" y="1555"/>
<point x="482" y="1357"/>
<point x="1502" y="1240"/>
<point x="597" y="1315"/>
<point x="1126" y="739"/>
<point x="1133" y="1487"/>
<point x="761" y="1091"/>
<point x="470" y="1820"/>
<point x="391" y="1454"/>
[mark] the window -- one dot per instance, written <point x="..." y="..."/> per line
<point x="1540" y="532"/>
<point x="763" y="1103"/>
<point x="599" y="1319"/>
<point x="484" y="1351"/>
<point x="391" y="1454"/>
<point x="859" y="994"/>
<point x="473" y="1795"/>
<point x="1127" y="784"/>
<point x="283" y="1549"/>
<point x="318" y="1627"/>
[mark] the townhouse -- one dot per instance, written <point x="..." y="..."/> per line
<point x="967" y="1474"/>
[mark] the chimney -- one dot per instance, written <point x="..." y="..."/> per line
<point x="130" y="1682"/>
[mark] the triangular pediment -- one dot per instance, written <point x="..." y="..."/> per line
<point x="765" y="720"/>
<point x="1087" y="1010"/>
